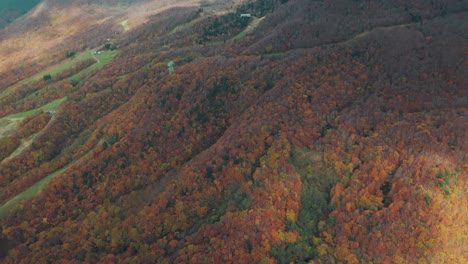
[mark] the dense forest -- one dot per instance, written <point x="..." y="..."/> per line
<point x="306" y="132"/>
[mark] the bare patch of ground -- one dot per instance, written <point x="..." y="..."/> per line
<point x="8" y="126"/>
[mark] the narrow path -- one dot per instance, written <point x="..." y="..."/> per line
<point x="52" y="69"/>
<point x="94" y="57"/>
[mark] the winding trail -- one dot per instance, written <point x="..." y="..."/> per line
<point x="94" y="57"/>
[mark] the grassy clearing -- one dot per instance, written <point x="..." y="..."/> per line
<point x="4" y="122"/>
<point x="30" y="192"/>
<point x="125" y="26"/>
<point x="8" y="126"/>
<point x="58" y="68"/>
<point x="102" y="59"/>
<point x="67" y="64"/>
<point x="107" y="90"/>
<point x="255" y="22"/>
<point x="53" y="71"/>
<point x="241" y="35"/>
<point x="39" y="186"/>
<point x="36" y="188"/>
<point x="50" y="106"/>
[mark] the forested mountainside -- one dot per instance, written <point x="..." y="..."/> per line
<point x="184" y="132"/>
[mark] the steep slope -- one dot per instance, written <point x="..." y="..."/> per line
<point x="319" y="136"/>
<point x="44" y="37"/>
<point x="53" y="29"/>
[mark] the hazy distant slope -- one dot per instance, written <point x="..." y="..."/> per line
<point x="45" y="35"/>
<point x="98" y="2"/>
<point x="12" y="9"/>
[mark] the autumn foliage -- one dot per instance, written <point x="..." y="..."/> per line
<point x="346" y="149"/>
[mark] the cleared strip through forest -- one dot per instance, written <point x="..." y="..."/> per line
<point x="39" y="186"/>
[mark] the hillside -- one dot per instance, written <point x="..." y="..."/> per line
<point x="309" y="132"/>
